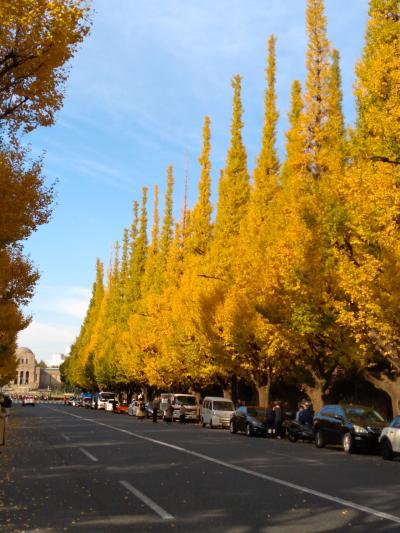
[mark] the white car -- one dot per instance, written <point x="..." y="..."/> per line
<point x="109" y="405"/>
<point x="390" y="440"/>
<point x="216" y="411"/>
<point x="28" y="400"/>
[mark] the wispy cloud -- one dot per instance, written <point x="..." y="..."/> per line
<point x="48" y="340"/>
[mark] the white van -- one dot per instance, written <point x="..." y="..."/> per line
<point x="190" y="403"/>
<point x="216" y="411"/>
<point x="177" y="399"/>
<point x="103" y="398"/>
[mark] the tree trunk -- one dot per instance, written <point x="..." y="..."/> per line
<point x="390" y="386"/>
<point x="263" y="395"/>
<point x="227" y="392"/>
<point x="263" y="385"/>
<point x="315" y="394"/>
<point x="229" y="389"/>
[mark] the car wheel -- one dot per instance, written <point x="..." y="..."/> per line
<point x="232" y="427"/>
<point x="249" y="430"/>
<point x="292" y="437"/>
<point x="348" y="443"/>
<point x="319" y="439"/>
<point x="203" y="424"/>
<point x="387" y="450"/>
<point x="211" y="424"/>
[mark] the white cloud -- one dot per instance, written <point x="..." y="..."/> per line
<point x="63" y="300"/>
<point x="48" y="340"/>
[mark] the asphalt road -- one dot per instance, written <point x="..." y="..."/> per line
<point x="70" y="469"/>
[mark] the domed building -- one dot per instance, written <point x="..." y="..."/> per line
<point x="30" y="376"/>
<point x="28" y="371"/>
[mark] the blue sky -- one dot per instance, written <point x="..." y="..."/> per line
<point x="135" y="101"/>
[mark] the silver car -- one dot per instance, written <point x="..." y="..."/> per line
<point x="390" y="440"/>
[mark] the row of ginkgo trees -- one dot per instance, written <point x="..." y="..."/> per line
<point x="298" y="276"/>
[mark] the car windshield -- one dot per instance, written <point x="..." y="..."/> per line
<point x="363" y="413"/>
<point x="185" y="400"/>
<point x="257" y="412"/>
<point x="107" y="396"/>
<point x="223" y="406"/>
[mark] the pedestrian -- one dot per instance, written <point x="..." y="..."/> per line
<point x="169" y="412"/>
<point x="306" y="416"/>
<point x="156" y="408"/>
<point x="182" y="414"/>
<point x="278" y="419"/>
<point x="270" y="420"/>
<point x="300" y="408"/>
<point x="3" y="420"/>
<point x="141" y="411"/>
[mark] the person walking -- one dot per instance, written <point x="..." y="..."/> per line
<point x="169" y="412"/>
<point x="3" y="420"/>
<point x="182" y="414"/>
<point x="140" y="410"/>
<point x="156" y="408"/>
<point x="270" y="419"/>
<point x="278" y="419"/>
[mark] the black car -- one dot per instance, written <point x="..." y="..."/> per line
<point x="250" y="420"/>
<point x="354" y="427"/>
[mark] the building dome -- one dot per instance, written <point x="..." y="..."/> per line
<point x="23" y="352"/>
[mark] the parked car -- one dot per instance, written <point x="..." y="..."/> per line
<point x="28" y="400"/>
<point x="102" y="399"/>
<point x="190" y="403"/>
<point x="354" y="427"/>
<point x="251" y="420"/>
<point x="216" y="411"/>
<point x="177" y="399"/>
<point x="121" y="408"/>
<point x="389" y="440"/>
<point x="109" y="404"/>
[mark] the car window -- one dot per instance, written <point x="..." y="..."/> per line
<point x="363" y="413"/>
<point x="222" y="405"/>
<point x="328" y="410"/>
<point x="257" y="412"/>
<point x="338" y="411"/>
<point x="185" y="400"/>
<point x="395" y="423"/>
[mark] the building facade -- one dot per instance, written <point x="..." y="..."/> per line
<point x="30" y="377"/>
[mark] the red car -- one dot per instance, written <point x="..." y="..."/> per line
<point x="121" y="408"/>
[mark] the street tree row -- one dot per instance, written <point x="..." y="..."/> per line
<point x="297" y="275"/>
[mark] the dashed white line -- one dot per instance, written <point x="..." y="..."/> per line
<point x="150" y="503"/>
<point x="91" y="457"/>
<point x="300" y="488"/>
<point x="65" y="437"/>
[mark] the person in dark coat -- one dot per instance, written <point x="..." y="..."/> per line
<point x="169" y="412"/>
<point x="156" y="408"/>
<point x="278" y="420"/>
<point x="182" y="414"/>
<point x="270" y="420"/>
<point x="306" y="416"/>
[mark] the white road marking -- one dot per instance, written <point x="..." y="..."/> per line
<point x="150" y="503"/>
<point x="300" y="488"/>
<point x="65" y="437"/>
<point x="92" y="457"/>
